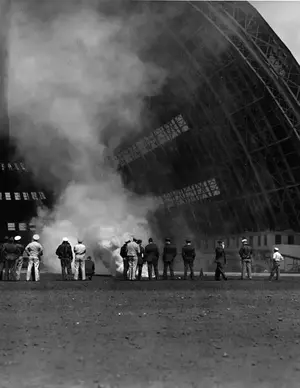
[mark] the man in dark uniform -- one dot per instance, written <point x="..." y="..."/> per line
<point x="2" y="258"/>
<point x="19" y="261"/>
<point x="188" y="254"/>
<point x="141" y="260"/>
<point x="151" y="257"/>
<point x="65" y="255"/>
<point x="11" y="253"/>
<point x="220" y="260"/>
<point x="123" y="254"/>
<point x="246" y="257"/>
<point x="169" y="254"/>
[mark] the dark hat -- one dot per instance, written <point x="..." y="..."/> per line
<point x="167" y="239"/>
<point x="150" y="240"/>
<point x="219" y="241"/>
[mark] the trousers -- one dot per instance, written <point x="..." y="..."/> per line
<point x="168" y="265"/>
<point x="246" y="267"/>
<point x="35" y="263"/>
<point x="188" y="265"/>
<point x="153" y="265"/>
<point x="66" y="270"/>
<point x="275" y="270"/>
<point x="219" y="271"/>
<point x="79" y="263"/>
<point x="18" y="267"/>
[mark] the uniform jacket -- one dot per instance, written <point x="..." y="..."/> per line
<point x="64" y="251"/>
<point x="34" y="250"/>
<point x="11" y="251"/>
<point x="220" y="255"/>
<point x="245" y="252"/>
<point x="79" y="250"/>
<point x="169" y="253"/>
<point x="151" y="253"/>
<point x="188" y="252"/>
<point x="89" y="267"/>
<point x="133" y="249"/>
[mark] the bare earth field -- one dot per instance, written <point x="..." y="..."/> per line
<point x="109" y="333"/>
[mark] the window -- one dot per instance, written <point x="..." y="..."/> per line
<point x="17" y="196"/>
<point x="26" y="196"/>
<point x="7" y="196"/>
<point x="206" y="244"/>
<point x="34" y="196"/>
<point x="291" y="240"/>
<point x="265" y="240"/>
<point x="251" y="240"/>
<point x="42" y="195"/>
<point x="11" y="226"/>
<point x="258" y="241"/>
<point x="277" y="239"/>
<point x="2" y="166"/>
<point x="22" y="226"/>
<point x="32" y="227"/>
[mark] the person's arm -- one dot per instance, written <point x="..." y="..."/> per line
<point x="93" y="268"/>
<point x="225" y="258"/>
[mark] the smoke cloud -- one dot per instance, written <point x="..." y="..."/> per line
<point x="74" y="74"/>
<point x="283" y="17"/>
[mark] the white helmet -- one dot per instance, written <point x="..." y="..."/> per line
<point x="276" y="249"/>
<point x="35" y="237"/>
<point x="65" y="239"/>
<point x="244" y="240"/>
<point x="18" y="238"/>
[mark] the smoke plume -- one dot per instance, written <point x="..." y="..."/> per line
<point x="75" y="73"/>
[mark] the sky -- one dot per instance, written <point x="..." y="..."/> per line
<point x="284" y="19"/>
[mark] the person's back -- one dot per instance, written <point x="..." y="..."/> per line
<point x="34" y="249"/>
<point x="170" y="251"/>
<point x="133" y="249"/>
<point x="11" y="251"/>
<point x="64" y="251"/>
<point x="188" y="252"/>
<point x="245" y="252"/>
<point x="79" y="250"/>
<point x="151" y="252"/>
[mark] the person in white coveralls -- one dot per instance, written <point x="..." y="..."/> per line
<point x="34" y="250"/>
<point x="79" y="251"/>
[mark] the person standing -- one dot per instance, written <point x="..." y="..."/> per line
<point x="246" y="257"/>
<point x="133" y="250"/>
<point x="2" y="259"/>
<point x="141" y="260"/>
<point x="34" y="250"/>
<point x="220" y="260"/>
<point x="80" y="251"/>
<point x="65" y="255"/>
<point x="169" y="254"/>
<point x="188" y="254"/>
<point x="89" y="268"/>
<point x="277" y="258"/>
<point x="19" y="261"/>
<point x="123" y="254"/>
<point x="151" y="257"/>
<point x="11" y="254"/>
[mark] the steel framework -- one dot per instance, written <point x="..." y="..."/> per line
<point x="229" y="160"/>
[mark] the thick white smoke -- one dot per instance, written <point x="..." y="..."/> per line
<point x="70" y="78"/>
<point x="283" y="17"/>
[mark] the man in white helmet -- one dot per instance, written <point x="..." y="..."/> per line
<point x="65" y="255"/>
<point x="80" y="251"/>
<point x="34" y="250"/>
<point x="246" y="253"/>
<point x="19" y="261"/>
<point x="277" y="258"/>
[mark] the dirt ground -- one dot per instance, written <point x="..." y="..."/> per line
<point x="109" y="333"/>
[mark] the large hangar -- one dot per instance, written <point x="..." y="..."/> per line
<point x="224" y="153"/>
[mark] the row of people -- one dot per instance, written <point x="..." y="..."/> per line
<point x="246" y="256"/>
<point x="12" y="253"/>
<point x="135" y="256"/>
